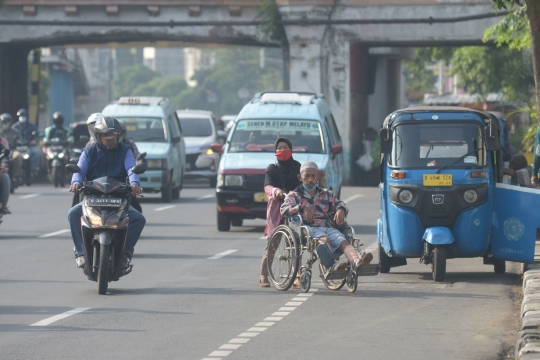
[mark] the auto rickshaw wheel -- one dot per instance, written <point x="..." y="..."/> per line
<point x="438" y="265"/>
<point x="499" y="266"/>
<point x="384" y="261"/>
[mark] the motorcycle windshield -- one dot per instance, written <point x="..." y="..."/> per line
<point x="514" y="223"/>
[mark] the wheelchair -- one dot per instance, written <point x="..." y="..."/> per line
<point x="287" y="245"/>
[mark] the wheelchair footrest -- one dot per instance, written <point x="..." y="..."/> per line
<point x="337" y="275"/>
<point x="369" y="270"/>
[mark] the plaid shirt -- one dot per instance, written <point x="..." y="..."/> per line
<point x="324" y="205"/>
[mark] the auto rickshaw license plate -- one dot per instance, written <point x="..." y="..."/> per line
<point x="260" y="197"/>
<point x="437" y="180"/>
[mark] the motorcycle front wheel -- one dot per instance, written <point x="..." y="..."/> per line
<point x="103" y="271"/>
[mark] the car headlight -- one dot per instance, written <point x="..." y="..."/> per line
<point x="405" y="196"/>
<point x="156" y="164"/>
<point x="470" y="196"/>
<point x="220" y="180"/>
<point x="234" y="180"/>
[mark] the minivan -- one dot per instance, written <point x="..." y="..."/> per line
<point x="152" y="123"/>
<point x="303" y="118"/>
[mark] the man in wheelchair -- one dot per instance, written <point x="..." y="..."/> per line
<point x="324" y="212"/>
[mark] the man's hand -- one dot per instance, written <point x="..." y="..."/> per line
<point x="308" y="214"/>
<point x="136" y="190"/>
<point x="534" y="180"/>
<point x="279" y="194"/>
<point x="339" y="218"/>
<point x="74" y="188"/>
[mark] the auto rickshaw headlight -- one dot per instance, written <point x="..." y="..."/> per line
<point x="470" y="196"/>
<point x="405" y="196"/>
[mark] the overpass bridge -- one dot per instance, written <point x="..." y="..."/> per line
<point x="349" y="50"/>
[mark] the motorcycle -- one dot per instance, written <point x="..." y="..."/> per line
<point x="24" y="149"/>
<point x="105" y="224"/>
<point x="3" y="154"/>
<point x="57" y="157"/>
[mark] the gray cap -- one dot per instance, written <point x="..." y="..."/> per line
<point x="308" y="165"/>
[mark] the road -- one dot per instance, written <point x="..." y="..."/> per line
<point x="194" y="294"/>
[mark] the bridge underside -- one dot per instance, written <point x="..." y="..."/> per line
<point x="352" y="54"/>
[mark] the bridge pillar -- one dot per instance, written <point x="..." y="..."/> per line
<point x="13" y="78"/>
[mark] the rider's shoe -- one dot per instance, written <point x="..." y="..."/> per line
<point x="366" y="259"/>
<point x="5" y="211"/>
<point x="126" y="262"/>
<point x="264" y="281"/>
<point x="339" y="266"/>
<point x="80" y="261"/>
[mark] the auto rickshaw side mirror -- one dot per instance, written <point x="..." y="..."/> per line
<point x="385" y="141"/>
<point x="492" y="137"/>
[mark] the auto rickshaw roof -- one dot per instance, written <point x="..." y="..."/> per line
<point x="459" y="113"/>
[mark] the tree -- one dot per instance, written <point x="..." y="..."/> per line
<point x="130" y="77"/>
<point x="533" y="15"/>
<point x="168" y="87"/>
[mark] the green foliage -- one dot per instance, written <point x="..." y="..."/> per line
<point x="523" y="138"/>
<point x="168" y="87"/>
<point x="270" y="28"/>
<point x="505" y="4"/>
<point x="130" y="77"/>
<point x="419" y="78"/>
<point x="484" y="69"/>
<point x="514" y="30"/>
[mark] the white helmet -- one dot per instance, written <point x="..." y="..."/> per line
<point x="91" y="122"/>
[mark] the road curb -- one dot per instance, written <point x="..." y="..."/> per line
<point x="528" y="343"/>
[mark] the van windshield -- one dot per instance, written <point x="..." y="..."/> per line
<point x="196" y="127"/>
<point x="145" y="129"/>
<point x="437" y="144"/>
<point x="261" y="135"/>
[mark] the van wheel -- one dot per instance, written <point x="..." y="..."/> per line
<point x="166" y="194"/>
<point x="176" y="193"/>
<point x="223" y="221"/>
<point x="237" y="222"/>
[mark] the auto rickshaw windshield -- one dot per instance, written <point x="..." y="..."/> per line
<point x="436" y="144"/>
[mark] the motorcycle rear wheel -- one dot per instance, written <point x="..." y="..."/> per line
<point x="103" y="271"/>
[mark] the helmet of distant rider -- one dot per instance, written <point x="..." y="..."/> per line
<point x="58" y="118"/>
<point x="91" y="122"/>
<point x="6" y="120"/>
<point x="23" y="115"/>
<point x="123" y="132"/>
<point x="107" y="131"/>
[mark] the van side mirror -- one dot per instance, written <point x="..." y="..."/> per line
<point x="73" y="168"/>
<point x="336" y="149"/>
<point x="138" y="169"/>
<point x="492" y="138"/>
<point x="176" y="139"/>
<point x="385" y="137"/>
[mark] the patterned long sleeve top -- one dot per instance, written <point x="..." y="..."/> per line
<point x="324" y="205"/>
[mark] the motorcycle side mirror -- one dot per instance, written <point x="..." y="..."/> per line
<point x="5" y="152"/>
<point x="73" y="161"/>
<point x="492" y="138"/>
<point x="73" y="168"/>
<point x="385" y="140"/>
<point x="138" y="169"/>
<point x="141" y="156"/>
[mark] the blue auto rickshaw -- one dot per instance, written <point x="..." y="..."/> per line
<point x="442" y="195"/>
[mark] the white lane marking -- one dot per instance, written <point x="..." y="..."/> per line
<point x="249" y="334"/>
<point x="205" y="197"/>
<point x="293" y="303"/>
<point x="281" y="313"/>
<point x="287" y="308"/>
<point x="263" y="238"/>
<point x="220" y="255"/>
<point x="54" y="233"/>
<point x="238" y="341"/>
<point x="349" y="199"/>
<point x="299" y="299"/>
<point x="273" y="318"/>
<point x="29" y="196"/>
<point x="303" y="294"/>
<point x="61" y="316"/>
<point x="372" y="247"/>
<point x="219" y="353"/>
<point x="265" y="323"/>
<point x="257" y="329"/>
<point x="229" y="347"/>
<point x="164" y="208"/>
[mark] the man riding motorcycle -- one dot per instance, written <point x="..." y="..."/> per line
<point x="58" y="130"/>
<point x="29" y="133"/>
<point x="107" y="157"/>
<point x="13" y="137"/>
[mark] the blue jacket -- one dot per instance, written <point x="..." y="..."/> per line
<point x="26" y="131"/>
<point x="96" y="162"/>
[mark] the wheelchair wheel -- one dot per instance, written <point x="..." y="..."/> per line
<point x="352" y="281"/>
<point x="283" y="259"/>
<point x="305" y="281"/>
<point x="331" y="284"/>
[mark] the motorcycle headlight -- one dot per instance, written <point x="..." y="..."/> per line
<point x="209" y="152"/>
<point x="220" y="180"/>
<point x="234" y="180"/>
<point x="61" y="155"/>
<point x="94" y="219"/>
<point x="470" y="196"/>
<point x="405" y="196"/>
<point x="114" y="219"/>
<point x="26" y="156"/>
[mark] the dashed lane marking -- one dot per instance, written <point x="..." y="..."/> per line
<point x="262" y="238"/>
<point x="220" y="255"/>
<point x="205" y="197"/>
<point x="164" y="208"/>
<point x="29" y="196"/>
<point x="349" y="199"/>
<point x="242" y="339"/>
<point x="61" y="316"/>
<point x="54" y="233"/>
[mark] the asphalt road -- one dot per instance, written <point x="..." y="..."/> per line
<point x="183" y="302"/>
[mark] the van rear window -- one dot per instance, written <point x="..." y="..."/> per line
<point x="261" y="135"/>
<point x="145" y="129"/>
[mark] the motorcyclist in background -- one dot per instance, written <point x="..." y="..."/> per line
<point x="112" y="158"/>
<point x="91" y="122"/>
<point x="5" y="182"/>
<point x="58" y="130"/>
<point x="29" y="133"/>
<point x="13" y="137"/>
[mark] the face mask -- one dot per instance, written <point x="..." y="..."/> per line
<point x="22" y="119"/>
<point x="283" y="155"/>
<point x="310" y="189"/>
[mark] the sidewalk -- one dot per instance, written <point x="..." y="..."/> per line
<point x="528" y="343"/>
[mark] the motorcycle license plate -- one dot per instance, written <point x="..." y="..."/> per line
<point x="111" y="202"/>
<point x="22" y="148"/>
<point x="437" y="179"/>
<point x="260" y="197"/>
